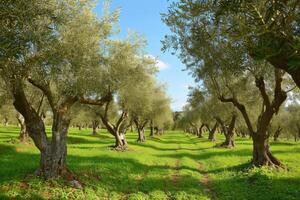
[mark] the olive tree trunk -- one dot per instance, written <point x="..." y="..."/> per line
<point x="200" y="135"/>
<point x="115" y="130"/>
<point x="141" y="135"/>
<point x="140" y="126"/>
<point x="262" y="155"/>
<point x="212" y="132"/>
<point x="229" y="134"/>
<point x="228" y="131"/>
<point x="23" y="136"/>
<point x="54" y="155"/>
<point x="53" y="152"/>
<point x="95" y="125"/>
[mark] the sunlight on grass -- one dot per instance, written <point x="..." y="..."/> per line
<point x="165" y="167"/>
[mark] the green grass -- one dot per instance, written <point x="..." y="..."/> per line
<point x="166" y="167"/>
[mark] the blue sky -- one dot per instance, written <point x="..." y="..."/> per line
<point x="143" y="17"/>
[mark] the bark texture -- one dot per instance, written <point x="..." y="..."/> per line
<point x="53" y="152"/>
<point x="95" y="125"/>
<point x="115" y="129"/>
<point x="24" y="136"/>
<point x="262" y="155"/>
<point x="140" y="126"/>
<point x="200" y="135"/>
<point x="212" y="132"/>
<point x="228" y="132"/>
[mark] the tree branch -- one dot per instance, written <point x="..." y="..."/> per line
<point x="242" y="109"/>
<point x="279" y="95"/>
<point x="45" y="88"/>
<point x="121" y="119"/>
<point x="97" y="102"/>
<point x="260" y="84"/>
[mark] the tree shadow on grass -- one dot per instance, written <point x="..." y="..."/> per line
<point x="146" y="145"/>
<point x="256" y="186"/>
<point x="116" y="174"/>
<point x="244" y="167"/>
<point x="283" y="143"/>
<point x="127" y="175"/>
<point x="208" y="155"/>
<point x="15" y="165"/>
<point x="84" y="140"/>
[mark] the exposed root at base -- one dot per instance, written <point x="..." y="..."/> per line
<point x="69" y="177"/>
<point x="224" y="145"/>
<point x="119" y="148"/>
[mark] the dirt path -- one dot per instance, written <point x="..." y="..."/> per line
<point x="206" y="182"/>
<point x="176" y="175"/>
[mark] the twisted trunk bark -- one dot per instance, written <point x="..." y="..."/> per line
<point x="262" y="155"/>
<point x="53" y="153"/>
<point x="120" y="139"/>
<point x="95" y="125"/>
<point x="53" y="156"/>
<point x="140" y="129"/>
<point x="24" y="137"/>
<point x="141" y="135"/>
<point x="201" y="131"/>
<point x="229" y="134"/>
<point x="212" y="135"/>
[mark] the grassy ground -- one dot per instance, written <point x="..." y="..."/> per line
<point x="173" y="166"/>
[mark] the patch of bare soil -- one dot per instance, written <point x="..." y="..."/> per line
<point x="206" y="182"/>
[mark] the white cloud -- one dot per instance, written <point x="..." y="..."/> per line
<point x="161" y="65"/>
<point x="186" y="86"/>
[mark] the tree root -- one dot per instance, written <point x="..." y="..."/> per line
<point x="119" y="148"/>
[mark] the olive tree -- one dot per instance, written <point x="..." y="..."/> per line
<point x="267" y="29"/>
<point x="226" y="65"/>
<point x="53" y="46"/>
<point x="129" y="74"/>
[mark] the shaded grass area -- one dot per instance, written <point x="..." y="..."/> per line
<point x="165" y="167"/>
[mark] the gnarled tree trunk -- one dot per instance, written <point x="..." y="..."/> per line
<point x="140" y="129"/>
<point x="53" y="155"/>
<point x="118" y="141"/>
<point x="261" y="152"/>
<point x="141" y="135"/>
<point x="54" y="152"/>
<point x="262" y="155"/>
<point x="200" y="135"/>
<point x="95" y="125"/>
<point x="212" y="132"/>
<point x="115" y="130"/>
<point x="229" y="134"/>
<point x="24" y="137"/>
